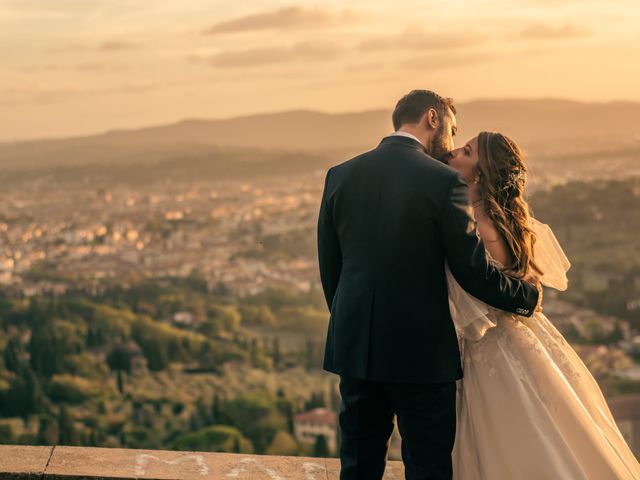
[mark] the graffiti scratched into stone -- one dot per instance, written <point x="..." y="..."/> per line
<point x="310" y="469"/>
<point x="251" y="464"/>
<point x="143" y="459"/>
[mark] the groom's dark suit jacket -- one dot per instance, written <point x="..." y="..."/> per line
<point x="389" y="219"/>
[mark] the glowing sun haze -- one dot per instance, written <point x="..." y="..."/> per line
<point x="79" y="66"/>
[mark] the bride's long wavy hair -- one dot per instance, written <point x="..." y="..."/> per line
<point x="502" y="183"/>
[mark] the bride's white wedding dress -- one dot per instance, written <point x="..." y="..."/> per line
<point x="528" y="408"/>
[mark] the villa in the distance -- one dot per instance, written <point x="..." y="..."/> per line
<point x="309" y="425"/>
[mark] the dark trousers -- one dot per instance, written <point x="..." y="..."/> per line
<point x="426" y="416"/>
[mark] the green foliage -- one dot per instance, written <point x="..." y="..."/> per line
<point x="142" y="437"/>
<point x="598" y="225"/>
<point x="71" y="389"/>
<point x="120" y="358"/>
<point x="162" y="343"/>
<point x="214" y="353"/>
<point x="318" y="400"/>
<point x="257" y="416"/>
<point x="107" y="324"/>
<point x="12" y="353"/>
<point x="321" y="447"/>
<point x="220" y="318"/>
<point x="48" y="431"/>
<point x="85" y="365"/>
<point x="286" y="309"/>
<point x="304" y="319"/>
<point x="66" y="427"/>
<point x="25" y="395"/>
<point x="283" y="444"/>
<point x="216" y="438"/>
<point x="7" y="437"/>
<point x="260" y="315"/>
<point x="614" y="386"/>
<point x="51" y="341"/>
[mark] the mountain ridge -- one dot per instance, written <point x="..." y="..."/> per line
<point x="541" y="125"/>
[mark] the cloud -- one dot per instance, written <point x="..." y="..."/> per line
<point x="418" y="39"/>
<point x="38" y="93"/>
<point x="431" y="62"/>
<point x="116" y="45"/>
<point x="540" y="31"/>
<point x="71" y="7"/>
<point x="273" y="55"/>
<point x="81" y="67"/>
<point x="105" y="46"/>
<point x="283" y="19"/>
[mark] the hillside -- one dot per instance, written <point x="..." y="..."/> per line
<point x="541" y="126"/>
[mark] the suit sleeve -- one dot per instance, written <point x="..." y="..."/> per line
<point x="329" y="253"/>
<point x="468" y="262"/>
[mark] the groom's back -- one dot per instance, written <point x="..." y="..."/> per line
<point x="390" y="317"/>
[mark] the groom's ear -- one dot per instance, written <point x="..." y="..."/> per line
<point x="432" y="119"/>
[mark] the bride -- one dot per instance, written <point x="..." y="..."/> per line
<point x="528" y="407"/>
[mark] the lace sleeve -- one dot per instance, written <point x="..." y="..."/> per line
<point x="549" y="257"/>
<point x="470" y="315"/>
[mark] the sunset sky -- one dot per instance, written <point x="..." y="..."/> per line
<point x="82" y="66"/>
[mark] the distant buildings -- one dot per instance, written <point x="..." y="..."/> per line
<point x="309" y="425"/>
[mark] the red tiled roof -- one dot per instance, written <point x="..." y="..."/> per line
<point x="317" y="416"/>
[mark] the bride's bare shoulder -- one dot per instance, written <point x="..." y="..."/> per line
<point x="493" y="240"/>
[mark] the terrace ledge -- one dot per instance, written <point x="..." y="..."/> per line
<point x="22" y="462"/>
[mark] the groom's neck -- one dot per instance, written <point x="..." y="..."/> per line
<point x="420" y="134"/>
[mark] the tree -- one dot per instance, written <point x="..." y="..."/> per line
<point x="12" y="354"/>
<point x="277" y="356"/>
<point x="313" y="353"/>
<point x="157" y="353"/>
<point x="204" y="411"/>
<point x="13" y="400"/>
<point x="47" y="431"/>
<point x="220" y="319"/>
<point x="216" y="409"/>
<point x="616" y="335"/>
<point x="321" y="447"/>
<point x="66" y="427"/>
<point x="120" y="360"/>
<point x="35" y="400"/>
<point x="52" y="340"/>
<point x="7" y="436"/>
<point x="257" y="417"/>
<point x="283" y="444"/>
<point x="214" y="438"/>
<point x="317" y="401"/>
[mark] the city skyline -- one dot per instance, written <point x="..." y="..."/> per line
<point x="75" y="68"/>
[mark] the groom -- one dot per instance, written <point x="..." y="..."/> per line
<point x="389" y="219"/>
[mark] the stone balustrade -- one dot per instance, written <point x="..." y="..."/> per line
<point x="20" y="462"/>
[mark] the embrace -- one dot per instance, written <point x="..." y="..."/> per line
<point x="432" y="267"/>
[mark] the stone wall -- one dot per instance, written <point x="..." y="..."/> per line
<point x="61" y="462"/>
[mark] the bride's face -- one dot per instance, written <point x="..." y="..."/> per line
<point x="465" y="160"/>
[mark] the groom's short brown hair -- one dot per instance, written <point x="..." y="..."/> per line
<point x="412" y="106"/>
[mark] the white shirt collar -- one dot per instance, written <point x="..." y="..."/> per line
<point x="406" y="134"/>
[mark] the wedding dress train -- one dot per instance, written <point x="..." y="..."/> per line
<point x="528" y="408"/>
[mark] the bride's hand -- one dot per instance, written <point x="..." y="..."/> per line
<point x="534" y="280"/>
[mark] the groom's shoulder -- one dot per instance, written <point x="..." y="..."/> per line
<point x="346" y="165"/>
<point x="412" y="161"/>
<point x="432" y="168"/>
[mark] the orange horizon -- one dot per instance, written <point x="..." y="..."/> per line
<point x="71" y="69"/>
